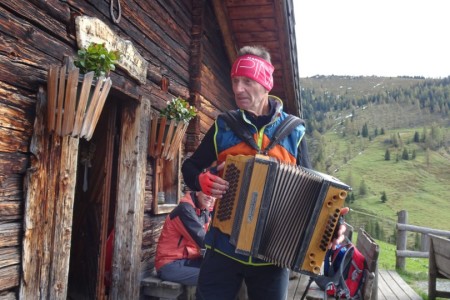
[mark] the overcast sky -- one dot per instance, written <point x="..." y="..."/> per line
<point x="368" y="37"/>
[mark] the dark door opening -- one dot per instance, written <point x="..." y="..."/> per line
<point x="94" y="207"/>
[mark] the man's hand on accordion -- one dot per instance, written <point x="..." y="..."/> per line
<point x="211" y="184"/>
<point x="339" y="232"/>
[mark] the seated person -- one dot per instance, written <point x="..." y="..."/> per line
<point x="179" y="250"/>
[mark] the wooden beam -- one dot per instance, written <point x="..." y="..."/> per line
<point x="285" y="30"/>
<point x="195" y="67"/>
<point x="50" y="191"/>
<point x="130" y="201"/>
<point x="220" y="10"/>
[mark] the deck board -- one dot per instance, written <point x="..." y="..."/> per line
<point x="390" y="287"/>
<point x="396" y="286"/>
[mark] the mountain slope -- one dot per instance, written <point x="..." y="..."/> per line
<point x="354" y="121"/>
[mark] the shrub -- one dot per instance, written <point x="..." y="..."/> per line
<point x="96" y="58"/>
<point x="179" y="109"/>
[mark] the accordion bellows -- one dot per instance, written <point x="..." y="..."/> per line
<point x="281" y="213"/>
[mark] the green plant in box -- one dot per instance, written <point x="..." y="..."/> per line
<point x="96" y="58"/>
<point x="179" y="109"/>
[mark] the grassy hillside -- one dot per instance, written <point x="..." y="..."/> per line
<point x="418" y="185"/>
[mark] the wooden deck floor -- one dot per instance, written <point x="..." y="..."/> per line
<point x="390" y="287"/>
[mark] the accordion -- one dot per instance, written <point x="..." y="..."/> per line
<point x="281" y="213"/>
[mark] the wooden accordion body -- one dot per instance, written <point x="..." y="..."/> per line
<point x="281" y="213"/>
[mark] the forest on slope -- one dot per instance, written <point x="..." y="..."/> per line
<point x="389" y="138"/>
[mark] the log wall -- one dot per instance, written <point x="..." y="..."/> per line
<point x="180" y="40"/>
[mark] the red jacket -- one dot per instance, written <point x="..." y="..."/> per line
<point x="183" y="233"/>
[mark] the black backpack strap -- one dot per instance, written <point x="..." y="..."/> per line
<point x="283" y="130"/>
<point x="239" y="127"/>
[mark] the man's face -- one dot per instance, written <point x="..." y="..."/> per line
<point x="249" y="94"/>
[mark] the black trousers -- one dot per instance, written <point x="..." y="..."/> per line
<point x="221" y="277"/>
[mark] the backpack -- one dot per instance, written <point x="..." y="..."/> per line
<point x="239" y="127"/>
<point x="344" y="274"/>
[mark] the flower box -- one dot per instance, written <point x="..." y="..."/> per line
<point x="73" y="108"/>
<point x="165" y="137"/>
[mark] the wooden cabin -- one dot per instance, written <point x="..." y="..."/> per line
<point x="62" y="194"/>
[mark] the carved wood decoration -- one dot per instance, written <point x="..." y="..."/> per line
<point x="92" y="30"/>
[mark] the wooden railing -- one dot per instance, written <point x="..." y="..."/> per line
<point x="402" y="230"/>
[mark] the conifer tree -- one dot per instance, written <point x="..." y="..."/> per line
<point x="405" y="155"/>
<point x="362" y="188"/>
<point x="365" y="130"/>
<point x="383" y="197"/>
<point x="416" y="137"/>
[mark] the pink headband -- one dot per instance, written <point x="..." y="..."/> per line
<point x="254" y="67"/>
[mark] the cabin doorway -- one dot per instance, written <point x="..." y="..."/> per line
<point x="94" y="207"/>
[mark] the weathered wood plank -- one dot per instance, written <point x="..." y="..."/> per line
<point x="63" y="214"/>
<point x="9" y="256"/>
<point x="442" y="256"/>
<point x="25" y="33"/>
<point x="11" y="210"/>
<point x="21" y="75"/>
<point x="251" y="12"/>
<point x="160" y="27"/>
<point x="36" y="228"/>
<point x="6" y="295"/>
<point x="369" y="248"/>
<point x="55" y="8"/>
<point x="40" y="14"/>
<point x="13" y="140"/>
<point x="392" y="286"/>
<point x="180" y="13"/>
<point x="15" y="118"/>
<point x="384" y="292"/>
<point x="257" y="37"/>
<point x="404" y="286"/>
<point x="12" y="96"/>
<point x="411" y="253"/>
<point x="249" y="25"/>
<point x="10" y="234"/>
<point x="11" y="186"/>
<point x="130" y="201"/>
<point x="13" y="163"/>
<point x="425" y="230"/>
<point x="48" y="217"/>
<point x="9" y="277"/>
